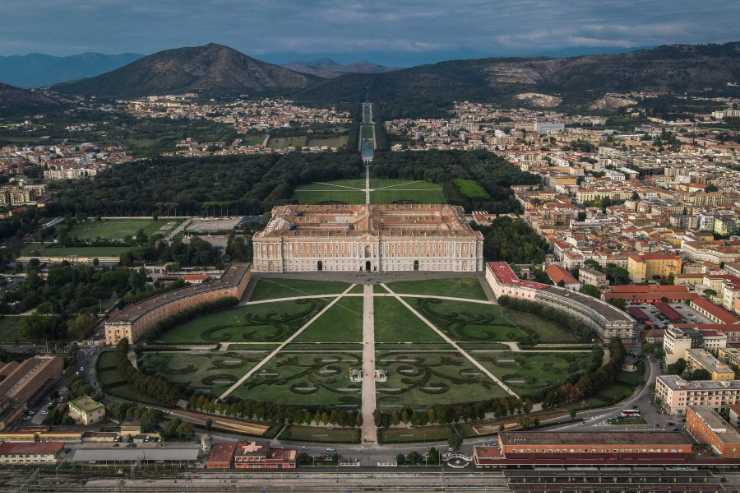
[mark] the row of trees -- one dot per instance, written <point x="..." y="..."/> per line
<point x="584" y="332"/>
<point x="589" y="382"/>
<point x="453" y="413"/>
<point x="151" y="386"/>
<point x="275" y="412"/>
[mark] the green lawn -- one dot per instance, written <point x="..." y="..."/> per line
<point x="119" y="229"/>
<point x="385" y="191"/>
<point x="267" y="288"/>
<point x="268" y="322"/>
<point x="464" y="287"/>
<point x="10" y="330"/>
<point x="35" y="250"/>
<point x="340" y="323"/>
<point x="338" y="141"/>
<point x="435" y="433"/>
<point x="297" y="141"/>
<point x="316" y="434"/>
<point x="424" y="379"/>
<point x="311" y="196"/>
<point x="205" y="372"/>
<point x="306" y="379"/>
<point x="396" y="323"/>
<point x="471" y="189"/>
<point x="527" y="373"/>
<point x="470" y="322"/>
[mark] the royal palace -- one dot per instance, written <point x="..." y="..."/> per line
<point x="370" y="238"/>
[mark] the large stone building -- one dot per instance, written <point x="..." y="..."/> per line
<point x="370" y="238"/>
<point x="137" y="319"/>
<point x="606" y="320"/>
<point x="25" y="381"/>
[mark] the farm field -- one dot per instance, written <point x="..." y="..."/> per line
<point x="119" y="229"/>
<point x="306" y="379"/>
<point x="269" y="322"/>
<point x="268" y="288"/>
<point x="464" y="287"/>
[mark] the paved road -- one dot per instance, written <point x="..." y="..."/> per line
<point x="641" y="398"/>
<point x="369" y="428"/>
<point x="287" y="341"/>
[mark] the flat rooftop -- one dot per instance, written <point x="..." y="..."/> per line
<point x="609" y="312"/>
<point x="586" y="438"/>
<point x="675" y="382"/>
<point x="124" y="454"/>
<point x="395" y="220"/>
<point x="724" y="430"/>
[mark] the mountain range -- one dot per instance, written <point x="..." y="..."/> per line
<point x="329" y="69"/>
<point x="39" y="70"/>
<point x="217" y="70"/>
<point x="210" y="69"/>
<point x="17" y="100"/>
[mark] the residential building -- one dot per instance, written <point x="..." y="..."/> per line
<point x="644" y="267"/>
<point x="701" y="358"/>
<point x="588" y="275"/>
<point x="561" y="277"/>
<point x="706" y="426"/>
<point x="675" y="394"/>
<point x="86" y="411"/>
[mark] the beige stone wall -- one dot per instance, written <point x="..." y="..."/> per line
<point x="379" y="254"/>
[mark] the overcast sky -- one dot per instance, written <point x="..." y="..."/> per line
<point x="386" y="31"/>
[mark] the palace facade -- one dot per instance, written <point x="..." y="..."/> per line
<point x="369" y="238"/>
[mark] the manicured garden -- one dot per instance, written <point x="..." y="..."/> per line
<point x="299" y="433"/>
<point x="306" y="379"/>
<point x="383" y="191"/>
<point x="529" y="372"/>
<point x="462" y="287"/>
<point x="394" y="323"/>
<point x="427" y="378"/>
<point x="273" y="288"/>
<point x="205" y="372"/>
<point x="268" y="322"/>
<point x="340" y="323"/>
<point x="464" y="321"/>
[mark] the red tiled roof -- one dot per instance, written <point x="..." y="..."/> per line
<point x="506" y="275"/>
<point x="31" y="448"/>
<point x="557" y="274"/>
